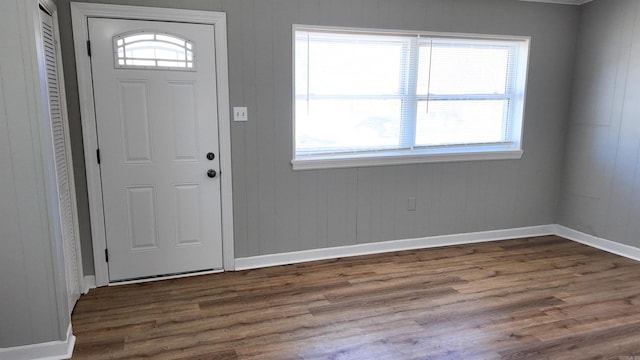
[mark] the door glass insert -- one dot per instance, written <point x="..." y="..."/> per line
<point x="153" y="50"/>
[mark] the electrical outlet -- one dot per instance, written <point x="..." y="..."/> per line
<point x="411" y="204"/>
<point x="240" y="114"/>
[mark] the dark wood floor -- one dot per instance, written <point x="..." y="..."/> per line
<point x="537" y="298"/>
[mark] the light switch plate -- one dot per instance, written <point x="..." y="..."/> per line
<point x="240" y="113"/>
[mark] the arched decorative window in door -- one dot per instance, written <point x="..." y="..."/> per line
<point x="153" y="50"/>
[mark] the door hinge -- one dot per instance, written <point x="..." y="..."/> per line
<point x="89" y="48"/>
<point x="106" y="254"/>
<point x="98" y="155"/>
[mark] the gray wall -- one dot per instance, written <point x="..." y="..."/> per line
<point x="279" y="210"/>
<point x="601" y="193"/>
<point x="32" y="307"/>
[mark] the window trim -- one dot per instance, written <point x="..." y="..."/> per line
<point x="418" y="155"/>
<point x="404" y="157"/>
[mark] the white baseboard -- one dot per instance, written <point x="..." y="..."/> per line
<point x="261" y="261"/>
<point x="89" y="283"/>
<point x="598" y="243"/>
<point x="53" y="350"/>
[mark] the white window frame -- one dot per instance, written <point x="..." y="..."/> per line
<point x="475" y="152"/>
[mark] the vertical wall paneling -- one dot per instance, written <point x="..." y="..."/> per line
<point x="265" y="103"/>
<point x="625" y="17"/>
<point x="476" y="193"/>
<point x="235" y="44"/>
<point x="427" y="178"/>
<point x="322" y="205"/>
<point x="601" y="194"/>
<point x="390" y="13"/>
<point x="387" y="195"/>
<point x="415" y="14"/>
<point x="337" y="204"/>
<point x="286" y="181"/>
<point x="350" y="238"/>
<point x="279" y="210"/>
<point x="12" y="254"/>
<point x="624" y="172"/>
<point x="452" y="199"/>
<point x="341" y="206"/>
<point x="251" y="168"/>
<point x="504" y="181"/>
<point x="309" y="12"/>
<point x="365" y="204"/>
<point x="308" y="210"/>
<point x="405" y="186"/>
<point x="633" y="227"/>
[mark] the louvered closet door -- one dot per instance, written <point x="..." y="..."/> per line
<point x="61" y="160"/>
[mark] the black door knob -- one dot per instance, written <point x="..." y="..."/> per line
<point x="211" y="156"/>
<point x="211" y="173"/>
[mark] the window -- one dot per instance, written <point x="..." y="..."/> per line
<point x="385" y="97"/>
<point x="150" y="50"/>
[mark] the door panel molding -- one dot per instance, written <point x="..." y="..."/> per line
<point x="80" y="12"/>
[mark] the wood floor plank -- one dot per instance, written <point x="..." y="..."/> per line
<point x="534" y="298"/>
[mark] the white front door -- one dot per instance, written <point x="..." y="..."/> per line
<point x="157" y="126"/>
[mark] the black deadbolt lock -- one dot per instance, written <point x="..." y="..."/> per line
<point x="211" y="156"/>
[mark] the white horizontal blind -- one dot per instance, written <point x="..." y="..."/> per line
<point x="465" y="91"/>
<point x="349" y="91"/>
<point x="364" y="92"/>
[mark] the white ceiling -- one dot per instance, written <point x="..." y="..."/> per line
<point x="566" y="2"/>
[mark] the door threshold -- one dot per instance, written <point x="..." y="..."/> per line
<point x="165" y="277"/>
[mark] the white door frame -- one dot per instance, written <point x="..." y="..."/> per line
<point x="80" y="12"/>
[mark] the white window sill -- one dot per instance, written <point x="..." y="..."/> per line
<point x="401" y="157"/>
